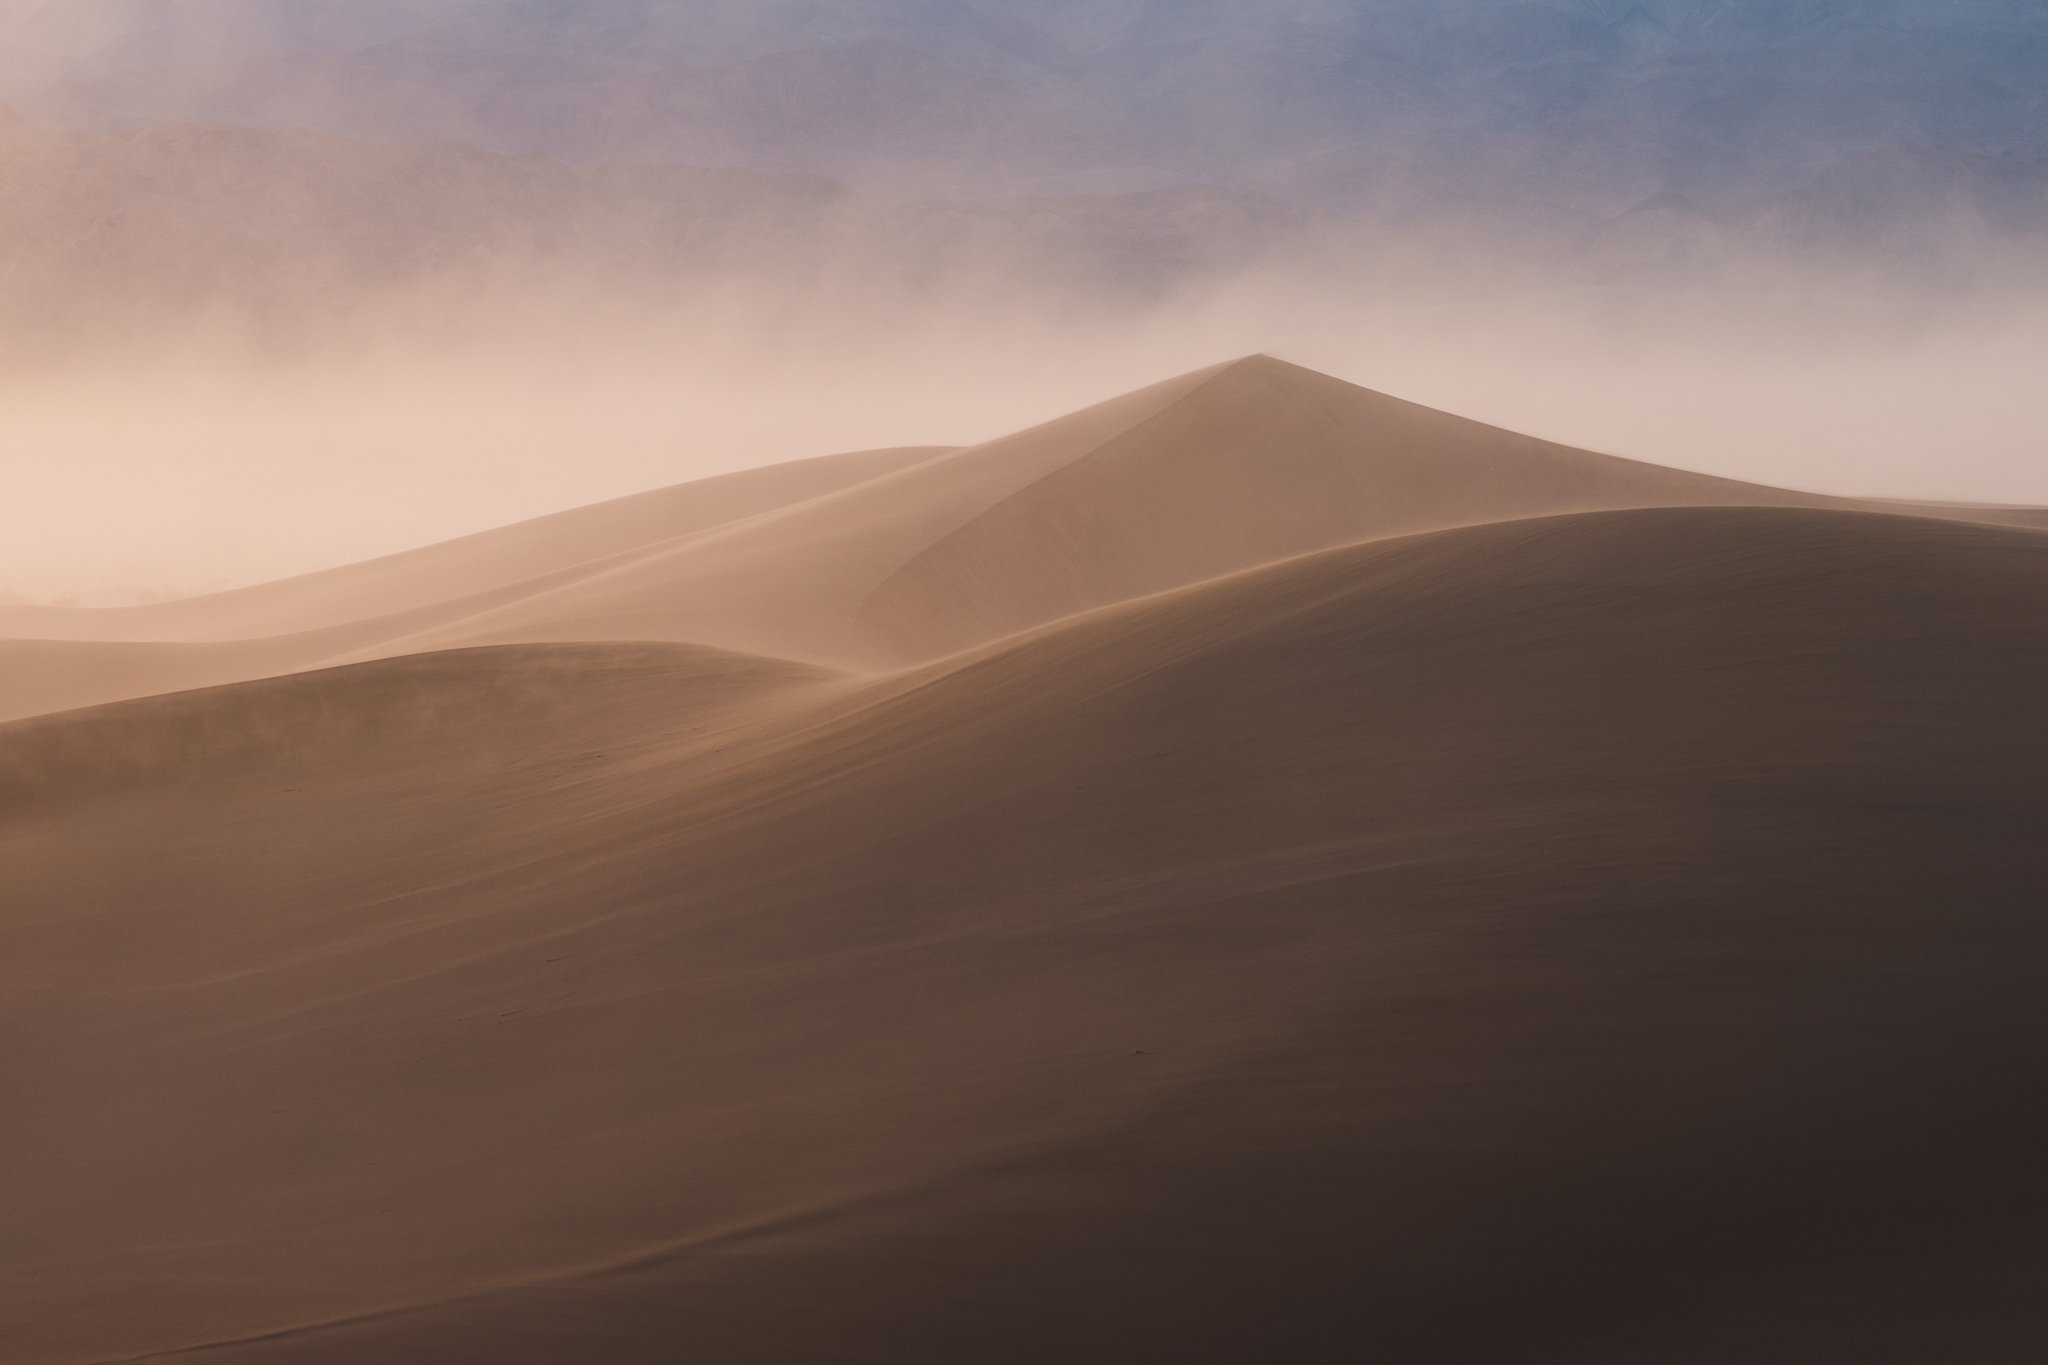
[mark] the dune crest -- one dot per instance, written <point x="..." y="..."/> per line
<point x="1434" y="939"/>
<point x="884" y="559"/>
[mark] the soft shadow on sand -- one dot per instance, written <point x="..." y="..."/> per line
<point x="1252" y="870"/>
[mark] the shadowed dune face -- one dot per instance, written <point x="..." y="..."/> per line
<point x="1472" y="932"/>
<point x="1294" y="876"/>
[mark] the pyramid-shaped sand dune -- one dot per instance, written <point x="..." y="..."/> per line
<point x="883" y="559"/>
<point x="1253" y="871"/>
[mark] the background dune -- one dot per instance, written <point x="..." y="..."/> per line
<point x="887" y="558"/>
<point x="1590" y="935"/>
<point x="249" y="346"/>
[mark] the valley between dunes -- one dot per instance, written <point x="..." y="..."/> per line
<point x="1255" y="870"/>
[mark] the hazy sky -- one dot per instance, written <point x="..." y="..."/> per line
<point x="199" y="467"/>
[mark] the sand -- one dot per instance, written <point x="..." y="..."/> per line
<point x="1255" y="871"/>
<point x="884" y="559"/>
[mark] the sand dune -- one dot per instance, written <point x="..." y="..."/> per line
<point x="63" y="658"/>
<point x="887" y="558"/>
<point x="466" y="567"/>
<point x="1279" y="874"/>
<point x="1584" y="938"/>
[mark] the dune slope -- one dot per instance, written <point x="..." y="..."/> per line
<point x="55" y="659"/>
<point x="463" y="568"/>
<point x="881" y="560"/>
<point x="1600" y="937"/>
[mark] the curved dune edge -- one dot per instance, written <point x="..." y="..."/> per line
<point x="1614" y="935"/>
<point x="879" y="560"/>
<point x="415" y="711"/>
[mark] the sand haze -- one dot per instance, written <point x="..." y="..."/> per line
<point x="935" y="683"/>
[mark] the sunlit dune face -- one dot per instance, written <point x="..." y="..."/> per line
<point x="153" y="476"/>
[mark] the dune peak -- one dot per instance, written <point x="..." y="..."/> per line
<point x="1285" y="380"/>
<point x="1260" y="364"/>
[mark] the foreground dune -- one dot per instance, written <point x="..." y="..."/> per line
<point x="1592" y="936"/>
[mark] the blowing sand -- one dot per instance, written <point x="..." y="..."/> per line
<point x="1253" y="871"/>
